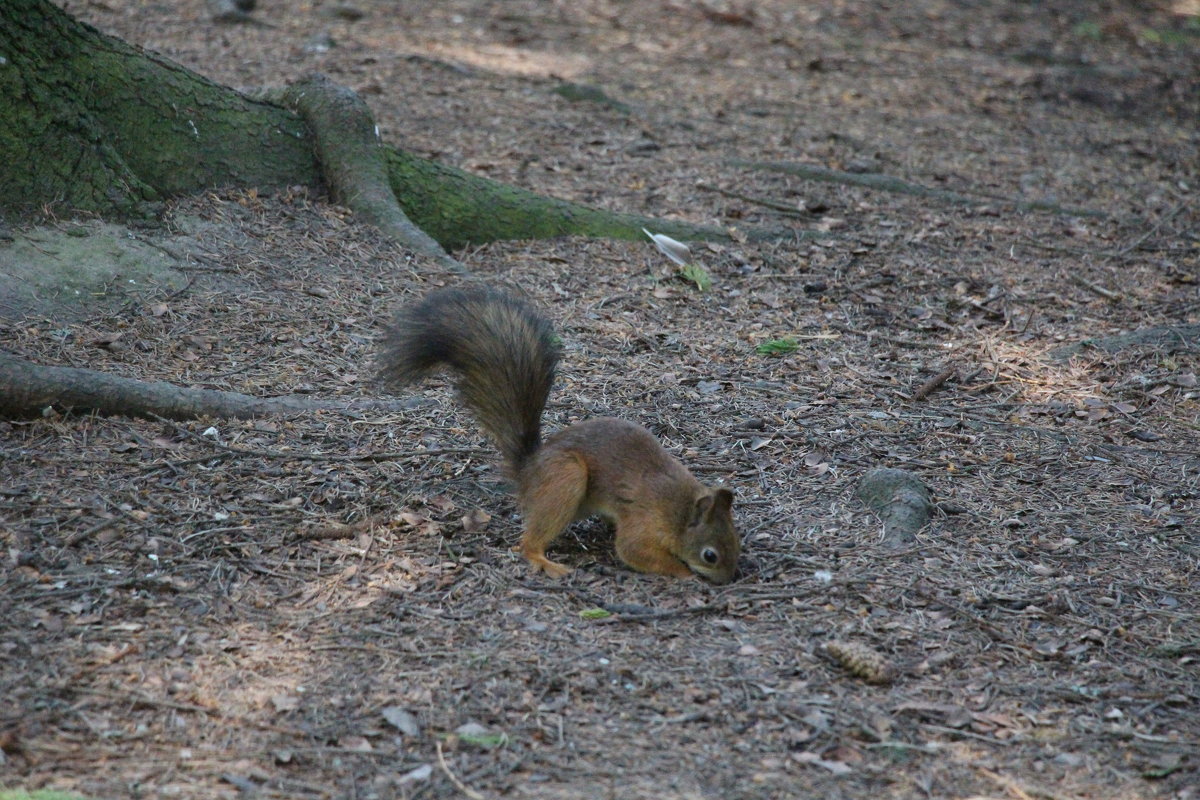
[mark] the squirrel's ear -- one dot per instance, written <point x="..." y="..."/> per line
<point x="712" y="502"/>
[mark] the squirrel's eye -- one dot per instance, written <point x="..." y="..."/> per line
<point x="709" y="555"/>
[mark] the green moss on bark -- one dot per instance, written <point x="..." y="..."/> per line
<point x="458" y="209"/>
<point x="97" y="125"/>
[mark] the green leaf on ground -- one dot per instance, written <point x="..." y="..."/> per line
<point x="777" y="347"/>
<point x="594" y="613"/>
<point x="697" y="275"/>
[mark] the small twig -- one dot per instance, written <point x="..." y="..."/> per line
<point x="1028" y="322"/>
<point x="135" y="697"/>
<point x="1021" y="790"/>
<point x="242" y="368"/>
<point x="966" y="733"/>
<point x="623" y="613"/>
<point x="741" y="593"/>
<point x="626" y="612"/>
<point x="1136" y="243"/>
<point x="187" y="268"/>
<point x="339" y="530"/>
<point x="462" y="787"/>
<point x="987" y="627"/>
<point x="187" y="462"/>
<point x="282" y="456"/>
<point x="928" y="386"/>
<point x="1059" y="248"/>
<point x="1107" y="294"/>
<point x="774" y="205"/>
<point x="78" y="536"/>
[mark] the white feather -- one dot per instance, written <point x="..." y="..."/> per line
<point x="676" y="251"/>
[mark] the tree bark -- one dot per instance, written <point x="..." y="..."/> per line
<point x="28" y="389"/>
<point x="90" y="123"/>
<point x="353" y="163"/>
<point x="458" y="209"/>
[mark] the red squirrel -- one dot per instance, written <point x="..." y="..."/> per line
<point x="504" y="355"/>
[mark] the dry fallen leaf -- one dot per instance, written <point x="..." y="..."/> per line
<point x="106" y="339"/>
<point x="402" y="720"/>
<point x="475" y="520"/>
<point x="443" y="503"/>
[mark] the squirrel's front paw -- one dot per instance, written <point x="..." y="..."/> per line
<point x="539" y="562"/>
<point x="554" y="569"/>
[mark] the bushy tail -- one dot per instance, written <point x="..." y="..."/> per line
<point x="502" y="351"/>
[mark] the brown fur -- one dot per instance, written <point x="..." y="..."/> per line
<point x="504" y="354"/>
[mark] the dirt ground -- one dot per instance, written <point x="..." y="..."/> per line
<point x="326" y="606"/>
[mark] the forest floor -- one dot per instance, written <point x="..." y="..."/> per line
<point x="326" y="606"/>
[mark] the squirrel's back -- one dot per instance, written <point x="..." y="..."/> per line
<point x="502" y="352"/>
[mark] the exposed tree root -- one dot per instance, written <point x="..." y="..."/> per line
<point x="889" y="183"/>
<point x="458" y="209"/>
<point x="1168" y="338"/>
<point x="353" y="160"/>
<point x="928" y="387"/>
<point x="27" y="389"/>
<point x="166" y="131"/>
<point x="900" y="500"/>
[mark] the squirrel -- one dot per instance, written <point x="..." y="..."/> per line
<point x="504" y="354"/>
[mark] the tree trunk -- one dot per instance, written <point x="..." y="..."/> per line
<point x="93" y="124"/>
<point x="90" y="123"/>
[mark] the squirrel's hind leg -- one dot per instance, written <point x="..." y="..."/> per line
<point x="558" y="486"/>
